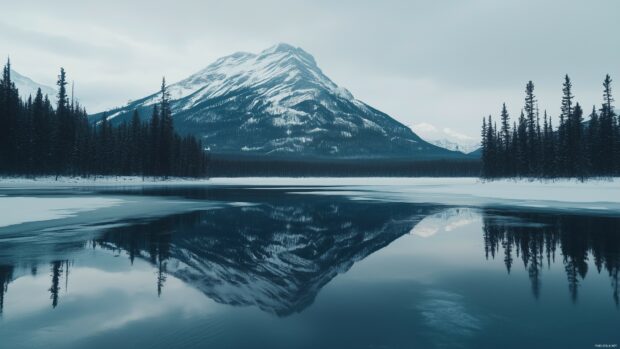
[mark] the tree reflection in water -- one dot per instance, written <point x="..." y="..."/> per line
<point x="535" y="238"/>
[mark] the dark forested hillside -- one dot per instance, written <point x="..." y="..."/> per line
<point x="40" y="137"/>
<point x="577" y="148"/>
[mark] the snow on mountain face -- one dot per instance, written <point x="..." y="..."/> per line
<point x="279" y="102"/>
<point x="27" y="87"/>
<point x="446" y="138"/>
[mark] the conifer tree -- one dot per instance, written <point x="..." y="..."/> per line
<point x="166" y="137"/>
<point x="607" y="130"/>
<point x="531" y="144"/>
<point x="548" y="152"/>
<point x="593" y="142"/>
<point x="576" y="148"/>
<point x="566" y="111"/>
<point x="523" y="149"/>
<point x="154" y="142"/>
<point x="486" y="163"/>
<point x="505" y="140"/>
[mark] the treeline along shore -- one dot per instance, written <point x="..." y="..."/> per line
<point x="577" y="148"/>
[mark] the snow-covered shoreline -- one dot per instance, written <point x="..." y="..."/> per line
<point x="64" y="181"/>
<point x="594" y="195"/>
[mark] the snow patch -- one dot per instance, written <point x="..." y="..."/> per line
<point x="18" y="210"/>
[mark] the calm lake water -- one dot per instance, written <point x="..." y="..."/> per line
<point x="294" y="268"/>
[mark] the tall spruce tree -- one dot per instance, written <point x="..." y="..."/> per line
<point x="607" y="130"/>
<point x="548" y="140"/>
<point x="505" y="141"/>
<point x="166" y="138"/>
<point x="530" y="115"/>
<point x="9" y="121"/>
<point x="593" y="143"/>
<point x="62" y="132"/>
<point x="576" y="145"/>
<point x="566" y="111"/>
<point x="523" y="164"/>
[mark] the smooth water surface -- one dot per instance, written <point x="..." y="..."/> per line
<point x="295" y="268"/>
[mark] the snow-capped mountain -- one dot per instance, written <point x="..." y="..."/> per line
<point x="446" y="138"/>
<point x="279" y="102"/>
<point x="27" y="87"/>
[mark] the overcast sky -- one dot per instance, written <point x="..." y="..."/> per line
<point x="445" y="63"/>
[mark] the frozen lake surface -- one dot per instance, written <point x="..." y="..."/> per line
<point x="309" y="263"/>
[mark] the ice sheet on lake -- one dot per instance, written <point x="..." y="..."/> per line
<point x="602" y="196"/>
<point x="18" y="210"/>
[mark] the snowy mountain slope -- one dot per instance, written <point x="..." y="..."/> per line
<point x="27" y="87"/>
<point x="279" y="102"/>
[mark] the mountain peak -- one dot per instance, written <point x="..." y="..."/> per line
<point x="282" y="47"/>
<point x="279" y="102"/>
<point x="290" y="51"/>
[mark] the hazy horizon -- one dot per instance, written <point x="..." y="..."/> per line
<point x="441" y="64"/>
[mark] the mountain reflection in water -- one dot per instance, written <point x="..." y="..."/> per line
<point x="278" y="254"/>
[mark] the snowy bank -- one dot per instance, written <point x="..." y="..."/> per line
<point x="593" y="195"/>
<point x="601" y="196"/>
<point x="51" y="181"/>
<point x="18" y="210"/>
<point x="25" y="213"/>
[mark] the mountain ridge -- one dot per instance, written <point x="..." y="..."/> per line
<point x="278" y="102"/>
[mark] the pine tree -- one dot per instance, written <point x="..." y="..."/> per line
<point x="136" y="144"/>
<point x="523" y="149"/>
<point x="41" y="130"/>
<point x="166" y="130"/>
<point x="505" y="140"/>
<point x="514" y="151"/>
<point x="566" y="111"/>
<point x="531" y="145"/>
<point x="9" y="121"/>
<point x="576" y="145"/>
<point x="492" y="147"/>
<point x="486" y="163"/>
<point x="593" y="143"/>
<point x="607" y="130"/>
<point x="63" y="128"/>
<point x="154" y="142"/>
<point x="548" y="156"/>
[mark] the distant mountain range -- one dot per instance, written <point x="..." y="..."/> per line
<point x="27" y="87"/>
<point x="279" y="103"/>
<point x="446" y="138"/>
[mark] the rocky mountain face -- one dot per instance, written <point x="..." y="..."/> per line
<point x="280" y="103"/>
